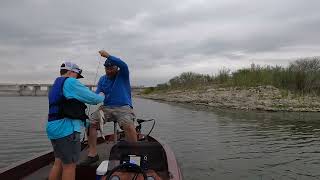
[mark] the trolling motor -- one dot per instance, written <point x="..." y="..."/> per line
<point x="140" y="121"/>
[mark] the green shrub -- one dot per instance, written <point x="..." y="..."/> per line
<point x="148" y="90"/>
<point x="301" y="76"/>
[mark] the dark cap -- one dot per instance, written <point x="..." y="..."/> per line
<point x="108" y="63"/>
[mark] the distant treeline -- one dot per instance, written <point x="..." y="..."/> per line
<point x="301" y="76"/>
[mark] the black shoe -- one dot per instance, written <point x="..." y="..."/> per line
<point x="89" y="160"/>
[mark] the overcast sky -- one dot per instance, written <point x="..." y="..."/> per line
<point x="158" y="39"/>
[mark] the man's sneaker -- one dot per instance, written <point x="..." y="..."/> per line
<point x="89" y="160"/>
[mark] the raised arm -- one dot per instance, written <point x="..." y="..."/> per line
<point x="116" y="61"/>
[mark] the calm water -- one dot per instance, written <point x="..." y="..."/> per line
<point x="209" y="144"/>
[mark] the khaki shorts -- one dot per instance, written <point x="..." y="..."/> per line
<point x="124" y="115"/>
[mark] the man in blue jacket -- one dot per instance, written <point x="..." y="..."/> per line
<point x="67" y="99"/>
<point x="117" y="106"/>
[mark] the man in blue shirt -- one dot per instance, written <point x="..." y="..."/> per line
<point x="65" y="119"/>
<point x="117" y="105"/>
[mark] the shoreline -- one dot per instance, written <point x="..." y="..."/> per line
<point x="261" y="98"/>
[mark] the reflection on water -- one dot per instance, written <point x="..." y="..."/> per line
<point x="209" y="143"/>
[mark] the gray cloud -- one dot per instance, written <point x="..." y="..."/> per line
<point x="157" y="39"/>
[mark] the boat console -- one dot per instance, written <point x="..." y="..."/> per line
<point x="148" y="155"/>
<point x="141" y="158"/>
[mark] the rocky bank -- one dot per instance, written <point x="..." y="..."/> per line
<point x="267" y="98"/>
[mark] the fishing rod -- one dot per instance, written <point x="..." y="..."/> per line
<point x="94" y="81"/>
<point x="89" y="107"/>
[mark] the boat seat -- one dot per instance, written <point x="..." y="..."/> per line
<point x="157" y="159"/>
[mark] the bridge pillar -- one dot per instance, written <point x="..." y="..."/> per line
<point x="36" y="90"/>
<point x="21" y="89"/>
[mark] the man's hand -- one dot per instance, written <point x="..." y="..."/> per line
<point x="101" y="94"/>
<point x="104" y="53"/>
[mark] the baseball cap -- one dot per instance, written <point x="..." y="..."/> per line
<point x="72" y="67"/>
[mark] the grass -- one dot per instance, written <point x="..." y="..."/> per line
<point x="301" y="77"/>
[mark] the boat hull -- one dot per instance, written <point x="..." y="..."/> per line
<point x="38" y="167"/>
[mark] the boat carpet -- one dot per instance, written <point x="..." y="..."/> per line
<point x="44" y="172"/>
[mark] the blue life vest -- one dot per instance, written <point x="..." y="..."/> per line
<point x="56" y="97"/>
<point x="60" y="107"/>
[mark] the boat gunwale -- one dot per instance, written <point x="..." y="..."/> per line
<point x="38" y="161"/>
<point x="28" y="166"/>
<point x="173" y="168"/>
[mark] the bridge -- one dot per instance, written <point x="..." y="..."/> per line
<point x="40" y="89"/>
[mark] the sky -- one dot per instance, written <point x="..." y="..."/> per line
<point x="157" y="39"/>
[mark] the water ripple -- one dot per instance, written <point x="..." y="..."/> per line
<point x="209" y="144"/>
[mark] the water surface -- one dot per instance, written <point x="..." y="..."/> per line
<point x="208" y="143"/>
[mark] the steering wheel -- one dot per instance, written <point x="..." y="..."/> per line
<point x="130" y="166"/>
